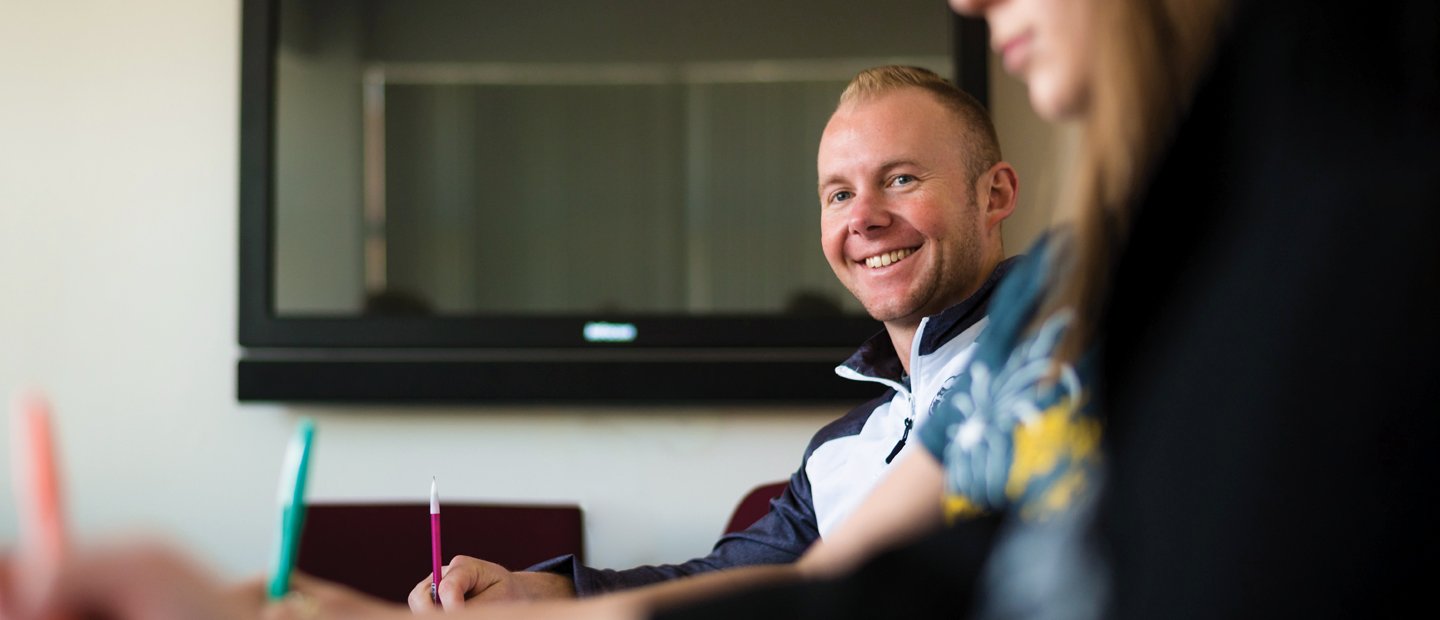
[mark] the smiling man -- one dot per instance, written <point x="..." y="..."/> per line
<point x="912" y="196"/>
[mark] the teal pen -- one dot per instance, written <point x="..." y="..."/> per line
<point x="292" y="507"/>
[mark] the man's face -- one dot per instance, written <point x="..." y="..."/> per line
<point x="899" y="222"/>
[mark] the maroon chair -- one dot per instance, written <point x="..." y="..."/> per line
<point x="384" y="549"/>
<point x="755" y="504"/>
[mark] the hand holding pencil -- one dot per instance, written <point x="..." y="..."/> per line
<point x="146" y="579"/>
<point x="45" y="580"/>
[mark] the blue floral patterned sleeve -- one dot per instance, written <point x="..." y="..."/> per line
<point x="1008" y="431"/>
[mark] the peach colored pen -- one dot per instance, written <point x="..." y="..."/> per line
<point x="37" y="480"/>
<point x="36" y="476"/>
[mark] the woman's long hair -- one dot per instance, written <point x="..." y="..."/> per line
<point x="1148" y="56"/>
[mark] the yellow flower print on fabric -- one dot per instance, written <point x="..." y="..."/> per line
<point x="1059" y="443"/>
<point x="1057" y="440"/>
<point x="958" y="507"/>
<point x="1018" y="437"/>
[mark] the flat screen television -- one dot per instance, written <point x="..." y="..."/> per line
<point x="553" y="201"/>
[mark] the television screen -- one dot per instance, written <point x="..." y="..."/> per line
<point x="480" y="179"/>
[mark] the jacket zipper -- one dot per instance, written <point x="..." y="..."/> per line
<point x="909" y="381"/>
<point x="901" y="443"/>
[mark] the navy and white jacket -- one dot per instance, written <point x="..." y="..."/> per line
<point x="844" y="460"/>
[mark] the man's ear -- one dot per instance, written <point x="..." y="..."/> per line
<point x="999" y="189"/>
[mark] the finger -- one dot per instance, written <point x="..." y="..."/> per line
<point x="294" y="606"/>
<point x="329" y="592"/>
<point x="327" y="599"/>
<point x="472" y="580"/>
<point x="458" y="581"/>
<point x="419" y="599"/>
<point x="314" y="586"/>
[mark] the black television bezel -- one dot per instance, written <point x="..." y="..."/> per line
<point x="523" y="359"/>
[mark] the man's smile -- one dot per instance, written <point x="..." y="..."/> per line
<point x="885" y="259"/>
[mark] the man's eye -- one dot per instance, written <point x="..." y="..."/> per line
<point x="841" y="196"/>
<point x="904" y="179"/>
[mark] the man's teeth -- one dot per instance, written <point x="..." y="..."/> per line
<point x="882" y="260"/>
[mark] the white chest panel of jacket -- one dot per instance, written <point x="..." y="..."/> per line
<point x="844" y="470"/>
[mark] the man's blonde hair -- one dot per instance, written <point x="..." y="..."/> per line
<point x="980" y="143"/>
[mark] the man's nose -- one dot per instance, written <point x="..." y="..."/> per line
<point x="868" y="214"/>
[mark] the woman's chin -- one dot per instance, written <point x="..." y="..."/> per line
<point x="1055" y="103"/>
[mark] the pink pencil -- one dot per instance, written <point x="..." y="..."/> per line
<point x="434" y="542"/>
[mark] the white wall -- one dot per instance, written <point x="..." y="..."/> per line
<point x="118" y="126"/>
<point x="1038" y="150"/>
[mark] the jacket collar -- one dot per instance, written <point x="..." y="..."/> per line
<point x="877" y="359"/>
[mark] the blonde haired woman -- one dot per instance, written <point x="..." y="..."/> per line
<point x="1254" y="258"/>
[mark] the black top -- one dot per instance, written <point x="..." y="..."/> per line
<point x="1272" y="357"/>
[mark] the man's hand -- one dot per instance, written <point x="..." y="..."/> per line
<point x="467" y="579"/>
